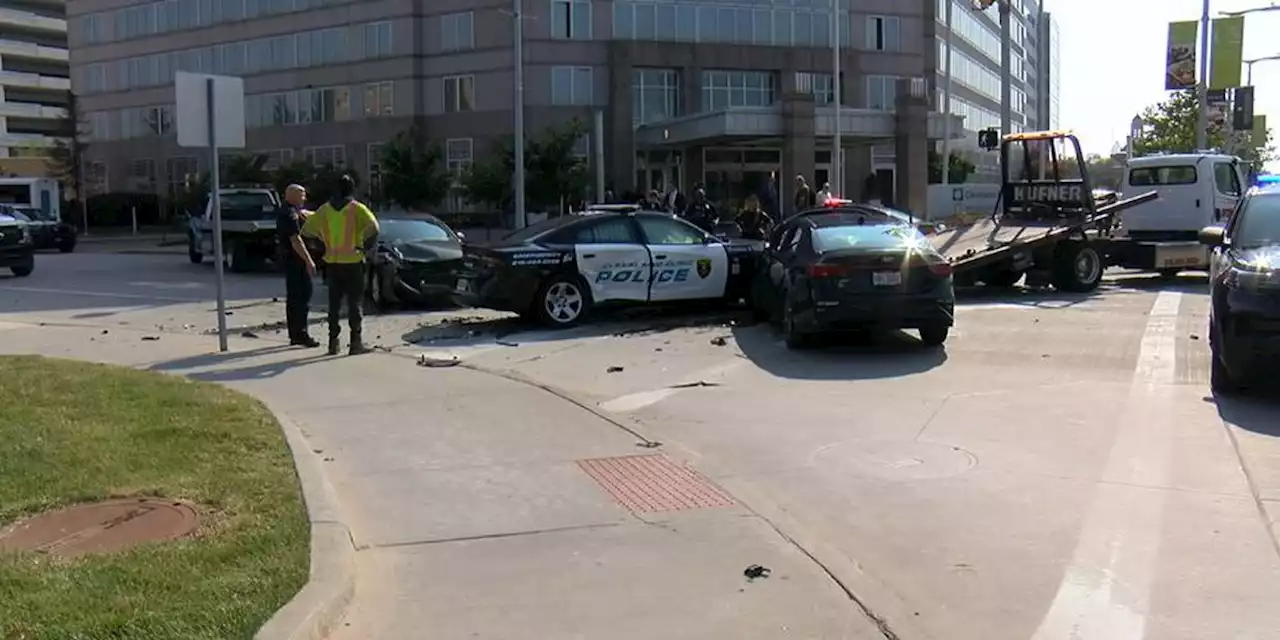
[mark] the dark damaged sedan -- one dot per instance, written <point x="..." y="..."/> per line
<point x="414" y="262"/>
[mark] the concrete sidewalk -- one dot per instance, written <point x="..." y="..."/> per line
<point x="486" y="508"/>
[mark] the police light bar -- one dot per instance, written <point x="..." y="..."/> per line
<point x="1268" y="180"/>
<point x="836" y="203"/>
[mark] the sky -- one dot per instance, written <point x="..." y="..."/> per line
<point x="1113" y="60"/>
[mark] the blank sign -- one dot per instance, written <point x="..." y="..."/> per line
<point x="192" y="109"/>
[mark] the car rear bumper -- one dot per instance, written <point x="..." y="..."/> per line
<point x="897" y="312"/>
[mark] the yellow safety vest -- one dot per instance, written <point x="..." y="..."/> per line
<point x="342" y="231"/>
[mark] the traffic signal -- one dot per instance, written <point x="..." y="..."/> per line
<point x="1242" y="109"/>
<point x="989" y="139"/>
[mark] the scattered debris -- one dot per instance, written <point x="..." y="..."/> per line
<point x="720" y="341"/>
<point x="691" y="385"/>
<point x="614" y="369"/>
<point x="317" y="451"/>
<point x="649" y="444"/>
<point x="756" y="571"/>
<point x="378" y="347"/>
<point x="508" y="343"/>
<point x="150" y="338"/>
<point x="249" y="334"/>
<point x="229" y="313"/>
<point x="105" y="332"/>
<point x="328" y="459"/>
<point x="1195" y="337"/>
<point x="657" y="348"/>
<point x="275" y="299"/>
<point x="424" y="361"/>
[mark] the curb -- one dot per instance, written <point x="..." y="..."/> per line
<point x="322" y="602"/>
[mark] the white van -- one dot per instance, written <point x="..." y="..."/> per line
<point x="1196" y="190"/>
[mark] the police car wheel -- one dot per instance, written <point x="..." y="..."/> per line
<point x="563" y="302"/>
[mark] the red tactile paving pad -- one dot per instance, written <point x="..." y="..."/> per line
<point x="653" y="482"/>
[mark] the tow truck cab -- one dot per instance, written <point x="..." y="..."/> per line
<point x="1196" y="190"/>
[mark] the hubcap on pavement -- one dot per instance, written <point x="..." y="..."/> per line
<point x="563" y="302"/>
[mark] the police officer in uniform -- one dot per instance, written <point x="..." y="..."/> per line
<point x="348" y="230"/>
<point x="299" y="268"/>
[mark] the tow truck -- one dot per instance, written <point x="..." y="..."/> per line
<point x="248" y="228"/>
<point x="1047" y="225"/>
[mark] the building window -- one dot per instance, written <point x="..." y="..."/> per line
<point x="377" y="40"/>
<point x="571" y="19"/>
<point x="323" y="105"/>
<point x="181" y="172"/>
<point x="884" y="33"/>
<point x="379" y="99"/>
<point x="373" y="158"/>
<point x="459" y="94"/>
<point x="142" y="174"/>
<point x="325" y="156"/>
<point x="655" y="95"/>
<point x="458" y="154"/>
<point x="100" y="126"/>
<point x="882" y="92"/>
<point x="571" y="85"/>
<point x="729" y="89"/>
<point x="457" y="31"/>
<point x="276" y="158"/>
<point x="821" y="85"/>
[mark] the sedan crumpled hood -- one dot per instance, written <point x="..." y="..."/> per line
<point x="1261" y="258"/>
<point x="424" y="251"/>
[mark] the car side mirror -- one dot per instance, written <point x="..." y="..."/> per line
<point x="461" y="235"/>
<point x="1214" y="236"/>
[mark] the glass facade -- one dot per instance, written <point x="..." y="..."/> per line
<point x="781" y="23"/>
<point x="655" y="95"/>
<point x="167" y="16"/>
<point x="727" y="89"/>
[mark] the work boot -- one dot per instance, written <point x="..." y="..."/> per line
<point x="357" y="348"/>
<point x="305" y="341"/>
<point x="334" y="347"/>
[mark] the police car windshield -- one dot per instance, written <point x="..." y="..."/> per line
<point x="1259" y="223"/>
<point x="413" y="231"/>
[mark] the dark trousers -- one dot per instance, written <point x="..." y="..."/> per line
<point x="297" y="302"/>
<point x="346" y="282"/>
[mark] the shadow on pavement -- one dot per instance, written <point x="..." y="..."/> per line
<point x="845" y="356"/>
<point x="197" y="367"/>
<point x="1258" y="412"/>
<point x="1188" y="282"/>
<point x="1041" y="298"/>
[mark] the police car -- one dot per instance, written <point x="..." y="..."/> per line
<point x="557" y="271"/>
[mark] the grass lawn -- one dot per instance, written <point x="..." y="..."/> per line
<point x="73" y="432"/>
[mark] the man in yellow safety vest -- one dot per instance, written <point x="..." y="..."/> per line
<point x="348" y="230"/>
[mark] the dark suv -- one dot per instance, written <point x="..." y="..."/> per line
<point x="1244" y="285"/>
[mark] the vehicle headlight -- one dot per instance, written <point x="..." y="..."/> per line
<point x="24" y="235"/>
<point x="1246" y="276"/>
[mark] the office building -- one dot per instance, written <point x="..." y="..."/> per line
<point x="976" y="73"/>
<point x="692" y="91"/>
<point x="34" y="83"/>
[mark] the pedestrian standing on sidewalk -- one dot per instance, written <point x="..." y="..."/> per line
<point x="299" y="268"/>
<point x="349" y="232"/>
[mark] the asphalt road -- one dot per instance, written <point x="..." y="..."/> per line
<point x="1060" y="471"/>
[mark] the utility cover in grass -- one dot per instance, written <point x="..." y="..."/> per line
<point x="73" y="433"/>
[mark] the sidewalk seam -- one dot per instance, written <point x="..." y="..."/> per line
<point x="322" y="602"/>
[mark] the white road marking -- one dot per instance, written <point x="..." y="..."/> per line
<point x="636" y="401"/>
<point x="100" y="294"/>
<point x="169" y="285"/>
<point x="1105" y="592"/>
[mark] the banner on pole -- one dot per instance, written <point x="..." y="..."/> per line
<point x="1180" y="57"/>
<point x="1226" y="53"/>
<point x="1219" y="107"/>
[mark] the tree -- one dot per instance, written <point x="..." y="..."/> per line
<point x="67" y="158"/>
<point x="412" y="173"/>
<point x="1170" y="127"/>
<point x="554" y="172"/>
<point x="245" y="169"/>
<point x="959" y="171"/>
<point x="488" y="182"/>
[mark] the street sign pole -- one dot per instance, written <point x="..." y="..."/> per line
<point x="216" y="204"/>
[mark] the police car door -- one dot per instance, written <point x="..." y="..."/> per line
<point x="612" y="258"/>
<point x="687" y="263"/>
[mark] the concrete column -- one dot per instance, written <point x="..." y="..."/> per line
<point x="690" y="90"/>
<point x="691" y="169"/>
<point x="798" y="147"/>
<point x="857" y="166"/>
<point x="620" y="150"/>
<point x="912" y="146"/>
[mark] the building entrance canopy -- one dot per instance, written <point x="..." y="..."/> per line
<point x="767" y="122"/>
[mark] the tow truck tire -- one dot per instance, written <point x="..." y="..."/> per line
<point x="1077" y="268"/>
<point x="563" y="302"/>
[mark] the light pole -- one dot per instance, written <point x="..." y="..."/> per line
<point x="1248" y="65"/>
<point x="1202" y="88"/>
<point x="517" y="186"/>
<point x="1006" y="62"/>
<point x="837" y="166"/>
<point x="946" y="99"/>
<point x="1232" y="14"/>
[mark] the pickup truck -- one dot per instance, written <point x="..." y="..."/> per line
<point x="248" y="229"/>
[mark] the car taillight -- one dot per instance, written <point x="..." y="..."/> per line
<point x="940" y="269"/>
<point x="826" y="271"/>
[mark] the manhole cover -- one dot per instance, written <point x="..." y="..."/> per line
<point x="896" y="459"/>
<point x="101" y="527"/>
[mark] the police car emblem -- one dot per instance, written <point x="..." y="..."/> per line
<point x="704" y="267"/>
